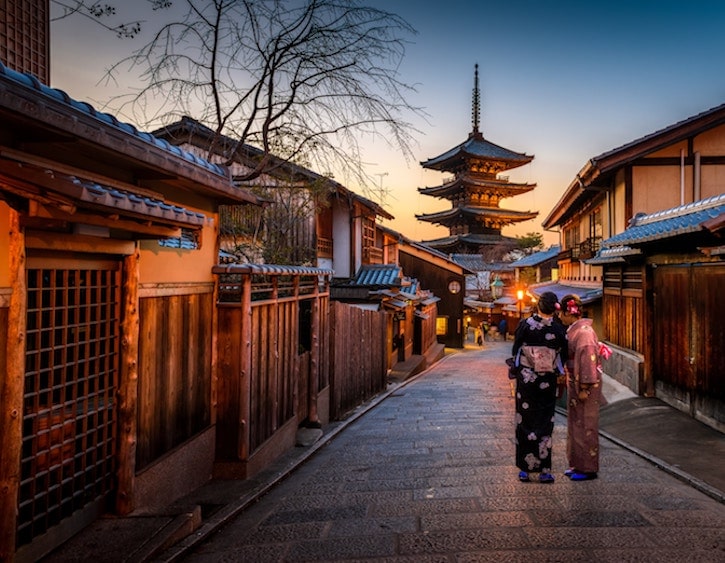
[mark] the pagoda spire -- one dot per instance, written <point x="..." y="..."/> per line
<point x="476" y="110"/>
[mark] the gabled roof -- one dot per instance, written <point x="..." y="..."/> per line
<point x="476" y="147"/>
<point x="189" y="130"/>
<point x="597" y="171"/>
<point x="538" y="257"/>
<point x="421" y="250"/>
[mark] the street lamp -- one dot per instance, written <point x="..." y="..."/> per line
<point x="520" y="297"/>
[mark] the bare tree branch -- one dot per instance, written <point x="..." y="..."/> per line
<point x="299" y="79"/>
<point x="100" y="12"/>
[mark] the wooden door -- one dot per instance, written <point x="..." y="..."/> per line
<point x="688" y="332"/>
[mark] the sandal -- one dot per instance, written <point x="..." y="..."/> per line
<point x="524" y="477"/>
<point x="546" y="478"/>
<point x="580" y="476"/>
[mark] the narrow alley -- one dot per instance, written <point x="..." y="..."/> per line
<point x="428" y="475"/>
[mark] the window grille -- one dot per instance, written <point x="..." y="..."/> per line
<point x="71" y="376"/>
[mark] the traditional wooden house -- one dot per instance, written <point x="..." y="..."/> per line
<point x="440" y="275"/>
<point x="107" y="315"/>
<point x="679" y="165"/>
<point x="307" y="219"/>
<point x="680" y="255"/>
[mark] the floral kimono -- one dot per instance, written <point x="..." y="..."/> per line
<point x="536" y="392"/>
<point x="584" y="397"/>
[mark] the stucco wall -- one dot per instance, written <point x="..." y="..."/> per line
<point x="160" y="264"/>
<point x="657" y="188"/>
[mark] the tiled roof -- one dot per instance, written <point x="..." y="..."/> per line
<point x="476" y="263"/>
<point x="270" y="269"/>
<point x="537" y="257"/>
<point x="477" y="146"/>
<point x="378" y="275"/>
<point x="509" y="215"/>
<point x="669" y="223"/>
<point x="106" y="196"/>
<point x="587" y="294"/>
<point x="30" y="81"/>
<point x="613" y="255"/>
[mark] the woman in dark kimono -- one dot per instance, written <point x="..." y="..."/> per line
<point x="584" y="392"/>
<point x="539" y="347"/>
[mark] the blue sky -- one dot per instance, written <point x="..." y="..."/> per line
<point x="564" y="81"/>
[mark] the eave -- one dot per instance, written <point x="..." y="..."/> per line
<point x="477" y="148"/>
<point x="46" y="124"/>
<point x="504" y="215"/>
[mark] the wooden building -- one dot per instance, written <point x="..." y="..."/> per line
<point x="679" y="165"/>
<point x="679" y="256"/>
<point x="307" y="219"/>
<point x="107" y="315"/>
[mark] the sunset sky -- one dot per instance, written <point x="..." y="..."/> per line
<point x="561" y="80"/>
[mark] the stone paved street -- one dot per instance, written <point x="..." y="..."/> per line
<point x="428" y="476"/>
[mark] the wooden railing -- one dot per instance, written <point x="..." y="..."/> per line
<point x="324" y="247"/>
<point x="372" y="255"/>
<point x="589" y="248"/>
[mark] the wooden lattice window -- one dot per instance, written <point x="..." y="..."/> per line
<point x="71" y="373"/>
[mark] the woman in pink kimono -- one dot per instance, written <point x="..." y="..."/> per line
<point x="584" y="392"/>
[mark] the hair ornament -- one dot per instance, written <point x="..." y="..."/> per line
<point x="572" y="308"/>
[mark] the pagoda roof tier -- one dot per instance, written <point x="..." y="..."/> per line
<point x="476" y="148"/>
<point x="468" y="240"/>
<point x="471" y="183"/>
<point x="452" y="216"/>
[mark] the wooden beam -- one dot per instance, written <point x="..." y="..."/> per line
<point x="79" y="243"/>
<point x="128" y="386"/>
<point x="11" y="391"/>
<point x="110" y="220"/>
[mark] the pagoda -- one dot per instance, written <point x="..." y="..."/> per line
<point x="475" y="219"/>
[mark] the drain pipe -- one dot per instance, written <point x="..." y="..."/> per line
<point x="682" y="176"/>
<point x="697" y="195"/>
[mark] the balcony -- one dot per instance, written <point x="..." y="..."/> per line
<point x="372" y="255"/>
<point x="568" y="254"/>
<point x="324" y="247"/>
<point x="589" y="248"/>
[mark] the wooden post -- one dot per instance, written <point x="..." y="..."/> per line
<point x="11" y="391"/>
<point x="314" y="383"/>
<point x="246" y="368"/>
<point x="128" y="386"/>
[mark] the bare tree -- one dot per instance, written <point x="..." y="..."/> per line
<point x="103" y="14"/>
<point x="302" y="80"/>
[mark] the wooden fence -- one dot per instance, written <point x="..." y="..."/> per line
<point x="359" y="356"/>
<point x="285" y="353"/>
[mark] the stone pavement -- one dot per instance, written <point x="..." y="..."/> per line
<point x="425" y="473"/>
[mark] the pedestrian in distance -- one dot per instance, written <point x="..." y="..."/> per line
<point x="584" y="391"/>
<point x="539" y="351"/>
<point x="503" y="328"/>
